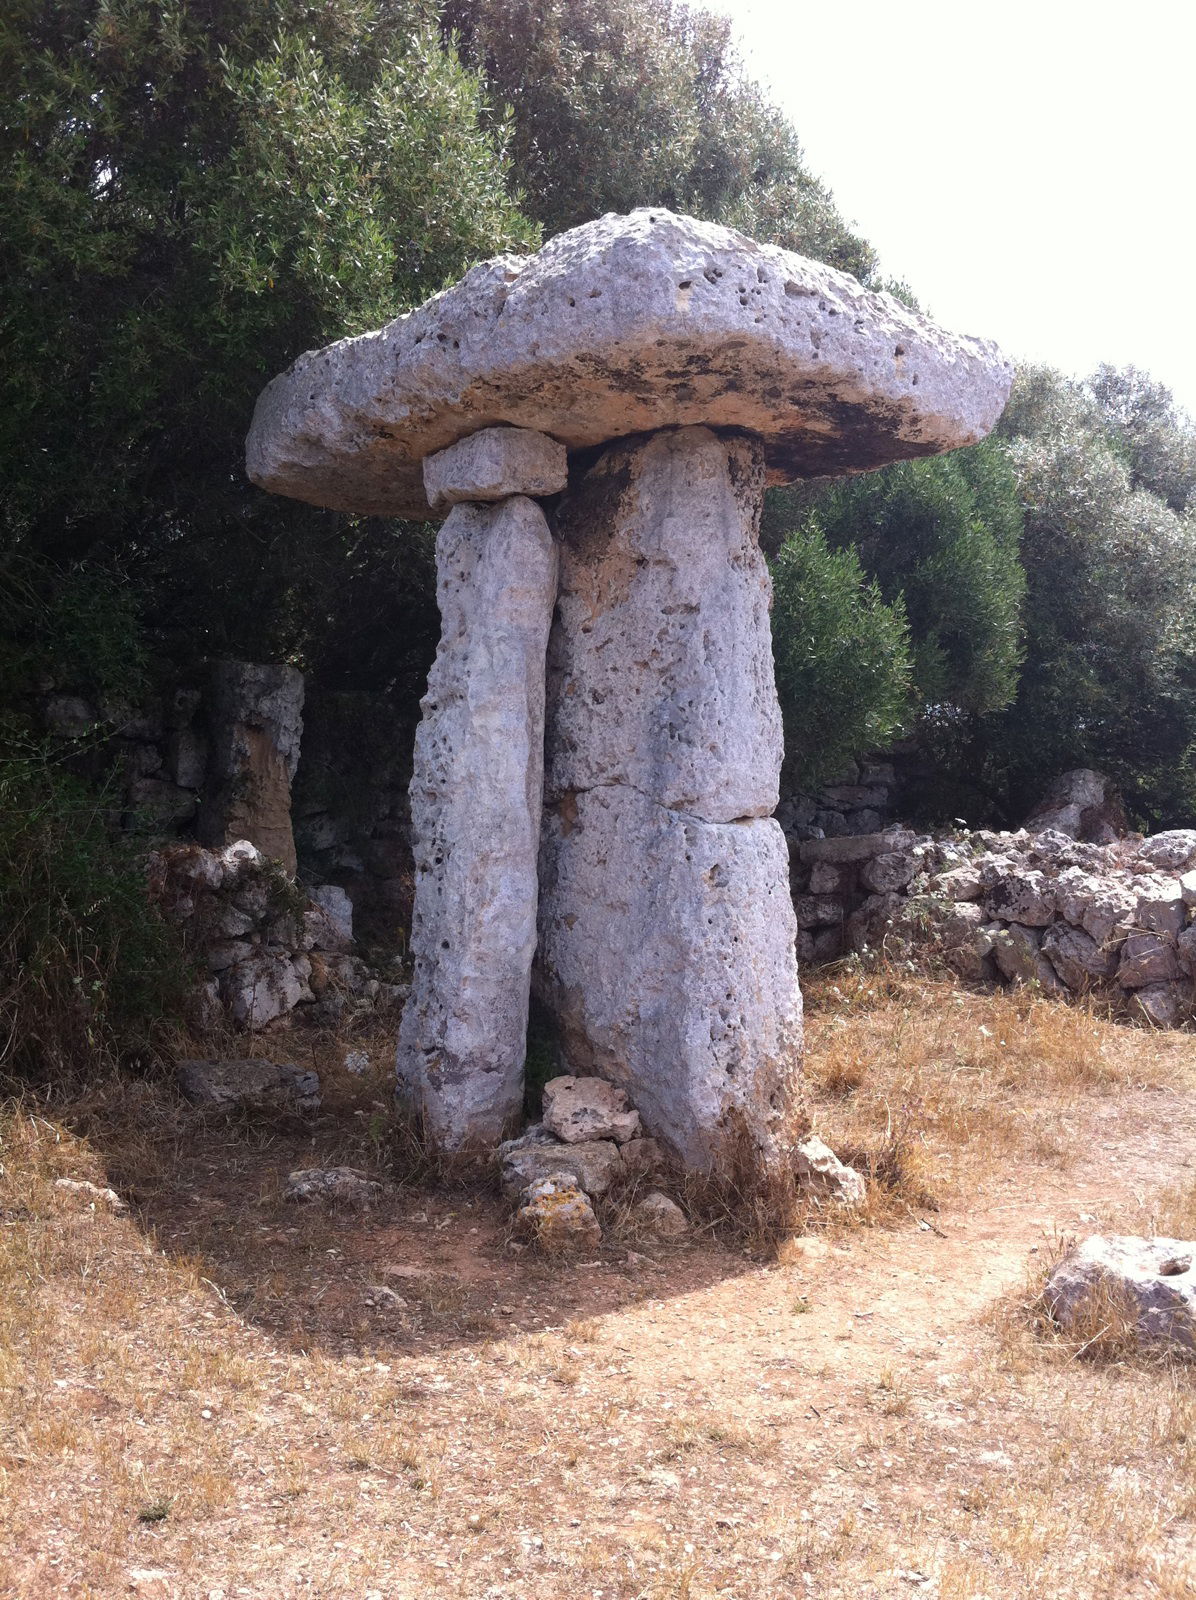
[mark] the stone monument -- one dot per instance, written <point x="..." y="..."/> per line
<point x="599" y="756"/>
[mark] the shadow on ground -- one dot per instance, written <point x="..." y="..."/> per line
<point x="431" y="1266"/>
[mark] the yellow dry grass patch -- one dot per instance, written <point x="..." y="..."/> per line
<point x="870" y="1415"/>
<point x="928" y="1087"/>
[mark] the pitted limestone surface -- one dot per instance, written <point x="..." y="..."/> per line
<point x="475" y="810"/>
<point x="660" y="669"/>
<point x="626" y="325"/>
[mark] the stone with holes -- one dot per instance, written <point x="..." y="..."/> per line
<point x="627" y="325"/>
<point x="1116" y="1283"/>
<point x="475" y="809"/>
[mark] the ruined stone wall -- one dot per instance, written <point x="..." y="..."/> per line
<point x="1115" y="919"/>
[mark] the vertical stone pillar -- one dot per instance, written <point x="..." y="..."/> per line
<point x="476" y="799"/>
<point x="255" y="724"/>
<point x="667" y="930"/>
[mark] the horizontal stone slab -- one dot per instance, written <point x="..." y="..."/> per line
<point x="848" y="848"/>
<point x="623" y="326"/>
<point x="495" y="464"/>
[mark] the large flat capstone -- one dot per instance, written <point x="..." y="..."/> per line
<point x="475" y="812"/>
<point x="627" y="325"/>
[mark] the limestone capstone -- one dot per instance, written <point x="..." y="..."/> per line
<point x="627" y="325"/>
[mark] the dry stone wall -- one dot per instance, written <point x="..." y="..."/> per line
<point x="1116" y="919"/>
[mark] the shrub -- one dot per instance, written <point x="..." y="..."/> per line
<point x="842" y="657"/>
<point x="89" y="974"/>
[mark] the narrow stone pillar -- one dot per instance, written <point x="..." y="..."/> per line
<point x="255" y="724"/>
<point x="476" y="796"/>
<point x="667" y="930"/>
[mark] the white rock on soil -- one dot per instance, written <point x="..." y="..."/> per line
<point x="1147" y="1283"/>
<point x="627" y="325"/>
<point x="334" y="1186"/>
<point x="660" y="667"/>
<point x="248" y="1084"/>
<point x="659" y="1216"/>
<point x="476" y="798"/>
<point x="588" y="1108"/>
<point x="91" y="1193"/>
<point x="820" y="1172"/>
<point x="494" y="464"/>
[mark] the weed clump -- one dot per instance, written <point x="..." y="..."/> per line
<point x="90" y="974"/>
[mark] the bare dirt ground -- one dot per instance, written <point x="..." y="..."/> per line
<point x="215" y="1394"/>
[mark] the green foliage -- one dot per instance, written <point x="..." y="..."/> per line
<point x="192" y="192"/>
<point x="842" y="657"/>
<point x="88" y="972"/>
<point x="77" y="626"/>
<point x="1110" y="610"/>
<point x="940" y="537"/>
<point x="1157" y="440"/>
<point x="625" y="103"/>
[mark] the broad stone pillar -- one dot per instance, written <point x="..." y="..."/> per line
<point x="475" y="809"/>
<point x="667" y="929"/>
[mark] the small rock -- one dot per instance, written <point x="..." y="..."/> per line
<point x="819" y="1170"/>
<point x="1146" y="959"/>
<point x="1160" y="1005"/>
<point x="888" y="872"/>
<point x="641" y="1157"/>
<point x="1146" y="1283"/>
<point x="593" y="1165"/>
<point x="249" y="1084"/>
<point x="383" y="1298"/>
<point x="266" y="986"/>
<point x="1174" y="850"/>
<point x="579" y="1109"/>
<point x="960" y="884"/>
<point x="558" y="1215"/>
<point x="92" y="1192"/>
<point x="342" y="1186"/>
<point x="494" y="464"/>
<point x="656" y="1214"/>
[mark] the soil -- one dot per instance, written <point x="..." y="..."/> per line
<point x="405" y="1402"/>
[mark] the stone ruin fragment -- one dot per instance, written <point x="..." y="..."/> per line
<point x="598" y="761"/>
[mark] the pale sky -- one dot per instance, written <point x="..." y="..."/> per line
<point x="1028" y="168"/>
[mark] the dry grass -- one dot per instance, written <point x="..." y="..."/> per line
<point x="206" y="1396"/>
<point x="928" y="1087"/>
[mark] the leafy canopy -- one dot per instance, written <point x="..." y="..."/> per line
<point x="625" y="103"/>
<point x="842" y="657"/>
<point x="191" y="192"/>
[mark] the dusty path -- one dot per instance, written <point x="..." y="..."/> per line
<point x="856" y="1421"/>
